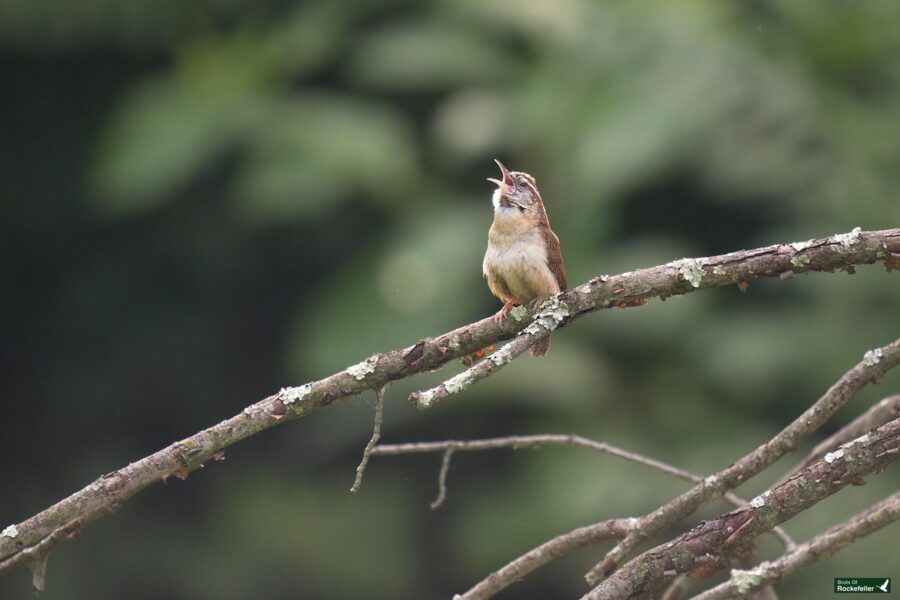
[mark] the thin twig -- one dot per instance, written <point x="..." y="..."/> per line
<point x="36" y="556"/>
<point x="376" y="435"/>
<point x="852" y="381"/>
<point x="546" y="552"/>
<point x="627" y="289"/>
<point x="442" y="479"/>
<point x="826" y="544"/>
<point x="728" y="535"/>
<point x="532" y="441"/>
<point x="485" y="368"/>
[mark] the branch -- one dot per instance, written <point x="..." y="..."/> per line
<point x="680" y="583"/>
<point x="376" y="435"/>
<point x="879" y="414"/>
<point x="560" y="545"/>
<point x="633" y="288"/>
<point x="487" y="367"/>
<point x="866" y="371"/>
<point x="36" y="556"/>
<point x="826" y="544"/>
<point x="729" y="534"/>
<point x="886" y="410"/>
<point x="749" y="560"/>
<point x="532" y="441"/>
<point x="676" y="588"/>
<point x="543" y="554"/>
<point x="442" y="479"/>
<point x="672" y="279"/>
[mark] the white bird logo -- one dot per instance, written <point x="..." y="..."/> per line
<point x="884" y="586"/>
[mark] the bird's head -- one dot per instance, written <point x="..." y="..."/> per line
<point x="516" y="191"/>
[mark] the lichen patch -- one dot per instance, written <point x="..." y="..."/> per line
<point x="760" y="500"/>
<point x="499" y="359"/>
<point x="425" y="399"/>
<point x="360" y="370"/>
<point x="848" y="239"/>
<point x="458" y="383"/>
<point x="690" y="269"/>
<point x="518" y="312"/>
<point x="548" y="317"/>
<point x="744" y="581"/>
<point x="872" y="357"/>
<point x="800" y="260"/>
<point x="11" y="532"/>
<point x="289" y="395"/>
<point x="830" y="457"/>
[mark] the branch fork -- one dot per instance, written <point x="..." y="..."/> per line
<point x="842" y="251"/>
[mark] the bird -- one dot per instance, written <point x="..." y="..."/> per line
<point x="523" y="261"/>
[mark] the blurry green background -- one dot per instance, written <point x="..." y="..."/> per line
<point x="205" y="201"/>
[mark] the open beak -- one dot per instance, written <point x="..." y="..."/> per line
<point x="507" y="181"/>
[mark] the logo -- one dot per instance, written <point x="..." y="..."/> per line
<point x="862" y="585"/>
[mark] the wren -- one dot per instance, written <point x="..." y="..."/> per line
<point x="523" y="261"/>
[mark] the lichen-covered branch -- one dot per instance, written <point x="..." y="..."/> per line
<point x="627" y="289"/>
<point x="729" y="534"/>
<point x="681" y="582"/>
<point x="487" y="367"/>
<point x="876" y="416"/>
<point x="824" y="545"/>
<point x="678" y="277"/>
<point x="866" y="371"/>
<point x="562" y="544"/>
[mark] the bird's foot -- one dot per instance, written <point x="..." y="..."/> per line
<point x="503" y="312"/>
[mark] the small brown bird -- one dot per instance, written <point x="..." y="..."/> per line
<point x="523" y="261"/>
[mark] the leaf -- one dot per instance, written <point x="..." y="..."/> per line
<point x="169" y="129"/>
<point x="425" y="56"/>
<point x="317" y="148"/>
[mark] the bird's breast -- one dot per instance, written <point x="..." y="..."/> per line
<point x="515" y="252"/>
<point x="518" y="263"/>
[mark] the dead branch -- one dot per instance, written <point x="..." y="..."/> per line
<point x="866" y="371"/>
<point x="728" y="535"/>
<point x="824" y="545"/>
<point x="627" y="289"/>
<point x="533" y="441"/>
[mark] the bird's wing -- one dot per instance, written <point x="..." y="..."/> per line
<point x="554" y="254"/>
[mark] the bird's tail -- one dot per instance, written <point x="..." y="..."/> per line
<point x="540" y="347"/>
